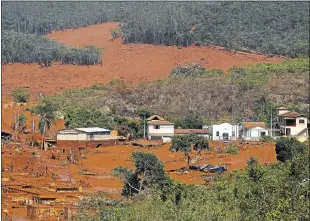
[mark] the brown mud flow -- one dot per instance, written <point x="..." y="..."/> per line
<point x="132" y="63"/>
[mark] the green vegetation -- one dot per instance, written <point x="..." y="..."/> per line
<point x="149" y="173"/>
<point x="269" y="27"/>
<point x="276" y="192"/>
<point x="187" y="143"/>
<point x="191" y="102"/>
<point x="28" y="48"/>
<point x="289" y="148"/>
<point x="20" y="95"/>
<point x="232" y="149"/>
<point x="267" y="139"/>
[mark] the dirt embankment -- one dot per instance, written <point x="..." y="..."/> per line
<point x="130" y="62"/>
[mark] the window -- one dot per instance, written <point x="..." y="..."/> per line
<point x="301" y="121"/>
<point x="233" y="133"/>
<point x="217" y="133"/>
<point x="157" y="127"/>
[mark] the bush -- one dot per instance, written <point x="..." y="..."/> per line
<point x="232" y="149"/>
<point x="267" y="139"/>
<point x="188" y="70"/>
<point x="289" y="148"/>
<point x="20" y="95"/>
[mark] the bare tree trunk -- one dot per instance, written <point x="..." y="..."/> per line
<point x="188" y="161"/>
<point x="42" y="144"/>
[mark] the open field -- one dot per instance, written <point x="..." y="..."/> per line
<point x="132" y="63"/>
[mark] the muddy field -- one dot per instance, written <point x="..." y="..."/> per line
<point x="31" y="166"/>
<point x="132" y="63"/>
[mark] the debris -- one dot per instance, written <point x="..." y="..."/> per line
<point x="88" y="173"/>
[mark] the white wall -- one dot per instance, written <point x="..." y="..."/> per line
<point x="68" y="136"/>
<point x="254" y="133"/>
<point x="167" y="130"/>
<point x="81" y="136"/>
<point x="299" y="126"/>
<point x="224" y="128"/>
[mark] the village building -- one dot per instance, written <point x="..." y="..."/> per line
<point x="200" y="132"/>
<point x="159" y="129"/>
<point x="252" y="130"/>
<point x="224" y="131"/>
<point x="86" y="137"/>
<point x="291" y="123"/>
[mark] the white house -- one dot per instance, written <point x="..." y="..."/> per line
<point x="292" y="123"/>
<point x="159" y="129"/>
<point x="83" y="134"/>
<point x="253" y="130"/>
<point x="224" y="131"/>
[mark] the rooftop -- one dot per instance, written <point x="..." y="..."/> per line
<point x="155" y="117"/>
<point x="92" y="129"/>
<point x="281" y="108"/>
<point x="160" y="122"/>
<point x="248" y="125"/>
<point x="292" y="114"/>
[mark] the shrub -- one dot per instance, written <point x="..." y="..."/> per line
<point x="267" y="139"/>
<point x="188" y="70"/>
<point x="20" y="95"/>
<point x="232" y="149"/>
<point x="289" y="148"/>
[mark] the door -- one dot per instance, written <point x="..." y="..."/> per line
<point x="225" y="136"/>
<point x="288" y="131"/>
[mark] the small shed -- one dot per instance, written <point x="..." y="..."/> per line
<point x="84" y="134"/>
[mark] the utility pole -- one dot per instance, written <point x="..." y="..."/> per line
<point x="42" y="145"/>
<point x="33" y="131"/>
<point x="144" y="126"/>
<point x="271" y="122"/>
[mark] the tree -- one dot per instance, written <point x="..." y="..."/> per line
<point x="187" y="143"/>
<point x="21" y="120"/>
<point x="20" y="95"/>
<point x="149" y="173"/>
<point x="289" y="148"/>
<point x="46" y="110"/>
<point x="254" y="170"/>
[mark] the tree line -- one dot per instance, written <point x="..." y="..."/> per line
<point x="29" y="48"/>
<point x="280" y="28"/>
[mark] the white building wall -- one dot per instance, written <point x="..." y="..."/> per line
<point x="224" y="128"/>
<point x="164" y="129"/>
<point x="294" y="130"/>
<point x="254" y="133"/>
<point x="81" y="136"/>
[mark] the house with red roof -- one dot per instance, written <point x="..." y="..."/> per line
<point x="292" y="123"/>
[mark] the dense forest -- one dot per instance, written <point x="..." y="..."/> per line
<point x="246" y="94"/>
<point x="29" y="48"/>
<point x="280" y="28"/>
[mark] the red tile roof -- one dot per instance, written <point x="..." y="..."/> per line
<point x="248" y="125"/>
<point x="154" y="117"/>
<point x="191" y="131"/>
<point x="292" y="114"/>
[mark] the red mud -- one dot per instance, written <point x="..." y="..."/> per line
<point x="102" y="161"/>
<point x="129" y="62"/>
